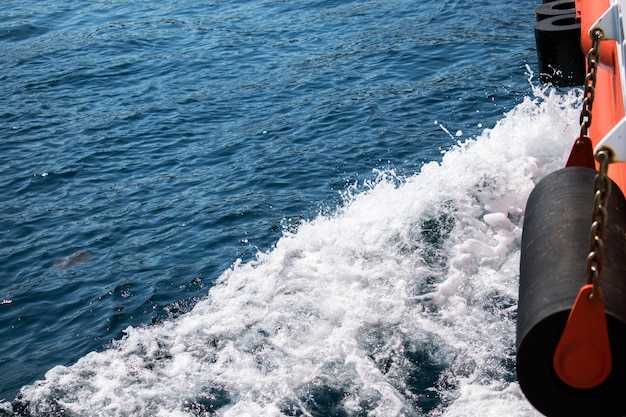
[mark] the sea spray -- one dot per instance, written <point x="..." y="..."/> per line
<point x="401" y="303"/>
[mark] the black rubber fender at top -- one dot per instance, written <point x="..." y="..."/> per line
<point x="555" y="8"/>
<point x="553" y="265"/>
<point x="561" y="61"/>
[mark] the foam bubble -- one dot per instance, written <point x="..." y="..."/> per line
<point x="400" y="303"/>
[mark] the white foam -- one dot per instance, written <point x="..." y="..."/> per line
<point x="404" y="281"/>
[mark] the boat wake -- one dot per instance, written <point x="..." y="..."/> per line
<point x="401" y="303"/>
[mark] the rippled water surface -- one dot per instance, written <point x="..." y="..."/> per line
<point x="291" y="152"/>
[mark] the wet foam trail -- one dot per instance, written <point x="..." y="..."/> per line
<point x="401" y="303"/>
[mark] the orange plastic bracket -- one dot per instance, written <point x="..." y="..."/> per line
<point x="582" y="358"/>
<point x="581" y="154"/>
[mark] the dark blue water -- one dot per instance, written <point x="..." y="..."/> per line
<point x="147" y="147"/>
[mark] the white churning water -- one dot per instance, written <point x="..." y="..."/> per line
<point x="402" y="302"/>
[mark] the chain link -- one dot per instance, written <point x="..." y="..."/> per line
<point x="602" y="186"/>
<point x="593" y="58"/>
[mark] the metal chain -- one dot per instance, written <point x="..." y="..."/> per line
<point x="593" y="58"/>
<point x="602" y="186"/>
<point x="602" y="183"/>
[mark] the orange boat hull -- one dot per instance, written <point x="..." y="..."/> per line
<point x="608" y="105"/>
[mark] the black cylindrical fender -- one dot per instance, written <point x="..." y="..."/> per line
<point x="555" y="8"/>
<point x="553" y="265"/>
<point x="561" y="61"/>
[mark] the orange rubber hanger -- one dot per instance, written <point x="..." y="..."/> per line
<point x="582" y="358"/>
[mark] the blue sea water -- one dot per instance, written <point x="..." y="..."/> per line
<point x="305" y="208"/>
